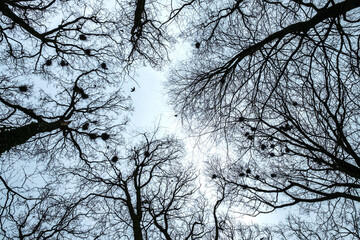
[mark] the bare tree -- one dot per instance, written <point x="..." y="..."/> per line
<point x="63" y="67"/>
<point x="34" y="206"/>
<point x="47" y="33"/>
<point x="61" y="99"/>
<point x="145" y="192"/>
<point x="277" y="81"/>
<point x="78" y="49"/>
<point x="66" y="122"/>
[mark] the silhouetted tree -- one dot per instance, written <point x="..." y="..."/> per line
<point x="63" y="65"/>
<point x="143" y="192"/>
<point x="277" y="81"/>
<point x="39" y="122"/>
<point x="81" y="52"/>
<point x="146" y="192"/>
<point x="296" y="228"/>
<point x="44" y="210"/>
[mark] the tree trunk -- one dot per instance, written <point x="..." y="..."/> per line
<point x="137" y="230"/>
<point x="10" y="138"/>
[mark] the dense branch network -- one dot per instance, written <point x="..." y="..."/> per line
<point x="275" y="80"/>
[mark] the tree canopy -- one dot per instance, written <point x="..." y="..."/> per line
<point x="275" y="82"/>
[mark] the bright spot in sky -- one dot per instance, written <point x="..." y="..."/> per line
<point x="149" y="100"/>
<point x="248" y="219"/>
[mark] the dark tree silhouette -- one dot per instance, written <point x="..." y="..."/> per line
<point x="46" y="32"/>
<point x="38" y="122"/>
<point x="277" y="81"/>
<point x="144" y="193"/>
<point x="44" y="211"/>
<point x="63" y="64"/>
<point x="295" y="228"/>
<point x="78" y="55"/>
